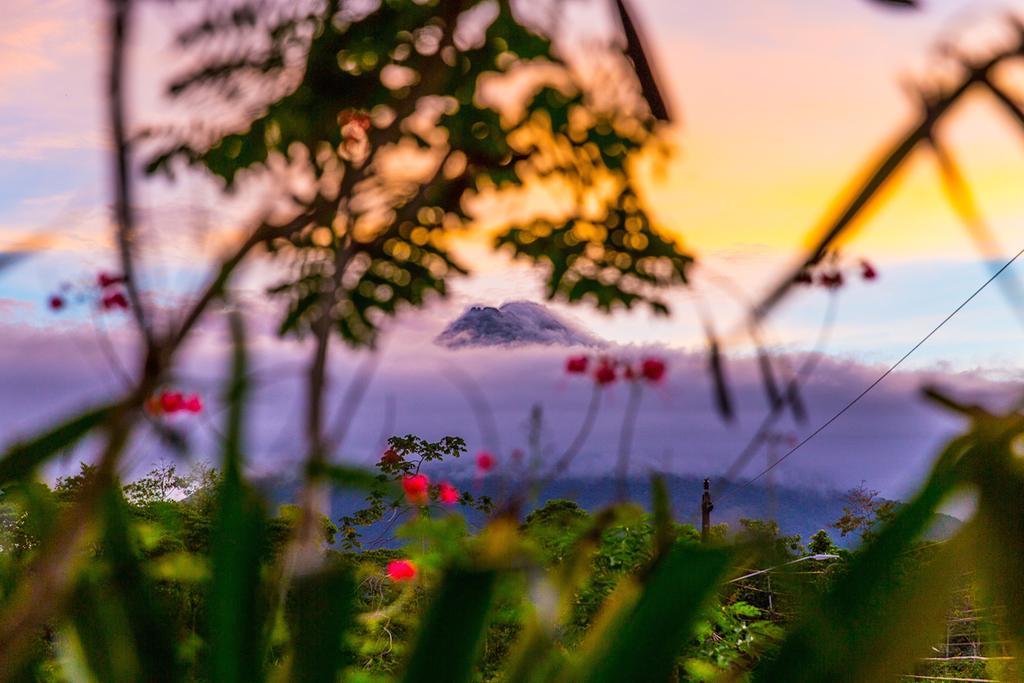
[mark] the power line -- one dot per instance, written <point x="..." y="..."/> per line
<point x="878" y="381"/>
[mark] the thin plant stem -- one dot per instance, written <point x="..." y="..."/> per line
<point x="629" y="418"/>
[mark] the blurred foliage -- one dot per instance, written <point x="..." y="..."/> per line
<point x="404" y="457"/>
<point x="390" y="127"/>
<point x="182" y="571"/>
<point x="383" y="129"/>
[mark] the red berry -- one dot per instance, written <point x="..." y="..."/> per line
<point x="867" y="271"/>
<point x="56" y="303"/>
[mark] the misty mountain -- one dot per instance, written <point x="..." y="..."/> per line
<point x="514" y="323"/>
<point x="801" y="511"/>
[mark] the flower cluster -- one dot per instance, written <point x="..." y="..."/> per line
<point x="830" y="276"/>
<point x="111" y="296"/>
<point x="170" y="402"/>
<point x="418" y="490"/>
<point x="607" y="370"/>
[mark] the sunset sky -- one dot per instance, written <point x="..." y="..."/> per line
<point x="780" y="105"/>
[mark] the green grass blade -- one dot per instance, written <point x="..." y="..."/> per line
<point x="152" y="632"/>
<point x="23" y="458"/>
<point x="643" y="641"/>
<point x="997" y="534"/>
<point x="236" y="603"/>
<point x="451" y="632"/>
<point x="661" y="504"/>
<point x="322" y="607"/>
<point x="100" y="624"/>
<point x="123" y="629"/>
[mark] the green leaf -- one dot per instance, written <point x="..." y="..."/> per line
<point x="451" y="632"/>
<point x="664" y="533"/>
<point x="643" y="641"/>
<point x="23" y="458"/>
<point x="997" y="534"/>
<point x="100" y="624"/>
<point x="152" y="634"/>
<point x="322" y="609"/>
<point x="123" y="629"/>
<point x="236" y="604"/>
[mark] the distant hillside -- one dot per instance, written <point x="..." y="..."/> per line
<point x="797" y="510"/>
<point x="514" y="323"/>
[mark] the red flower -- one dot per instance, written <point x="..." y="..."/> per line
<point x="171" y="402"/>
<point x="390" y="457"/>
<point x="56" y="303"/>
<point x="401" y="570"/>
<point x="448" y="494"/>
<point x="484" y="461"/>
<point x="576" y="365"/>
<point x="112" y="301"/>
<point x="653" y="369"/>
<point x="192" y="404"/>
<point x="605" y="373"/>
<point x="867" y="271"/>
<point x="416" y="488"/>
<point x="105" y="280"/>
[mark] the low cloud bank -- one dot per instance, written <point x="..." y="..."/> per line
<point x="888" y="439"/>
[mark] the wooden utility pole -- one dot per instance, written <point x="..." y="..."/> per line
<point x="706" y="507"/>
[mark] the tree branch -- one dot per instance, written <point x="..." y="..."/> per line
<point x="882" y="170"/>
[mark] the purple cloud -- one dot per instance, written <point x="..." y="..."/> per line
<point x="888" y="439"/>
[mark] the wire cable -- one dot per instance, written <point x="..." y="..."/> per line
<point x="878" y="381"/>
